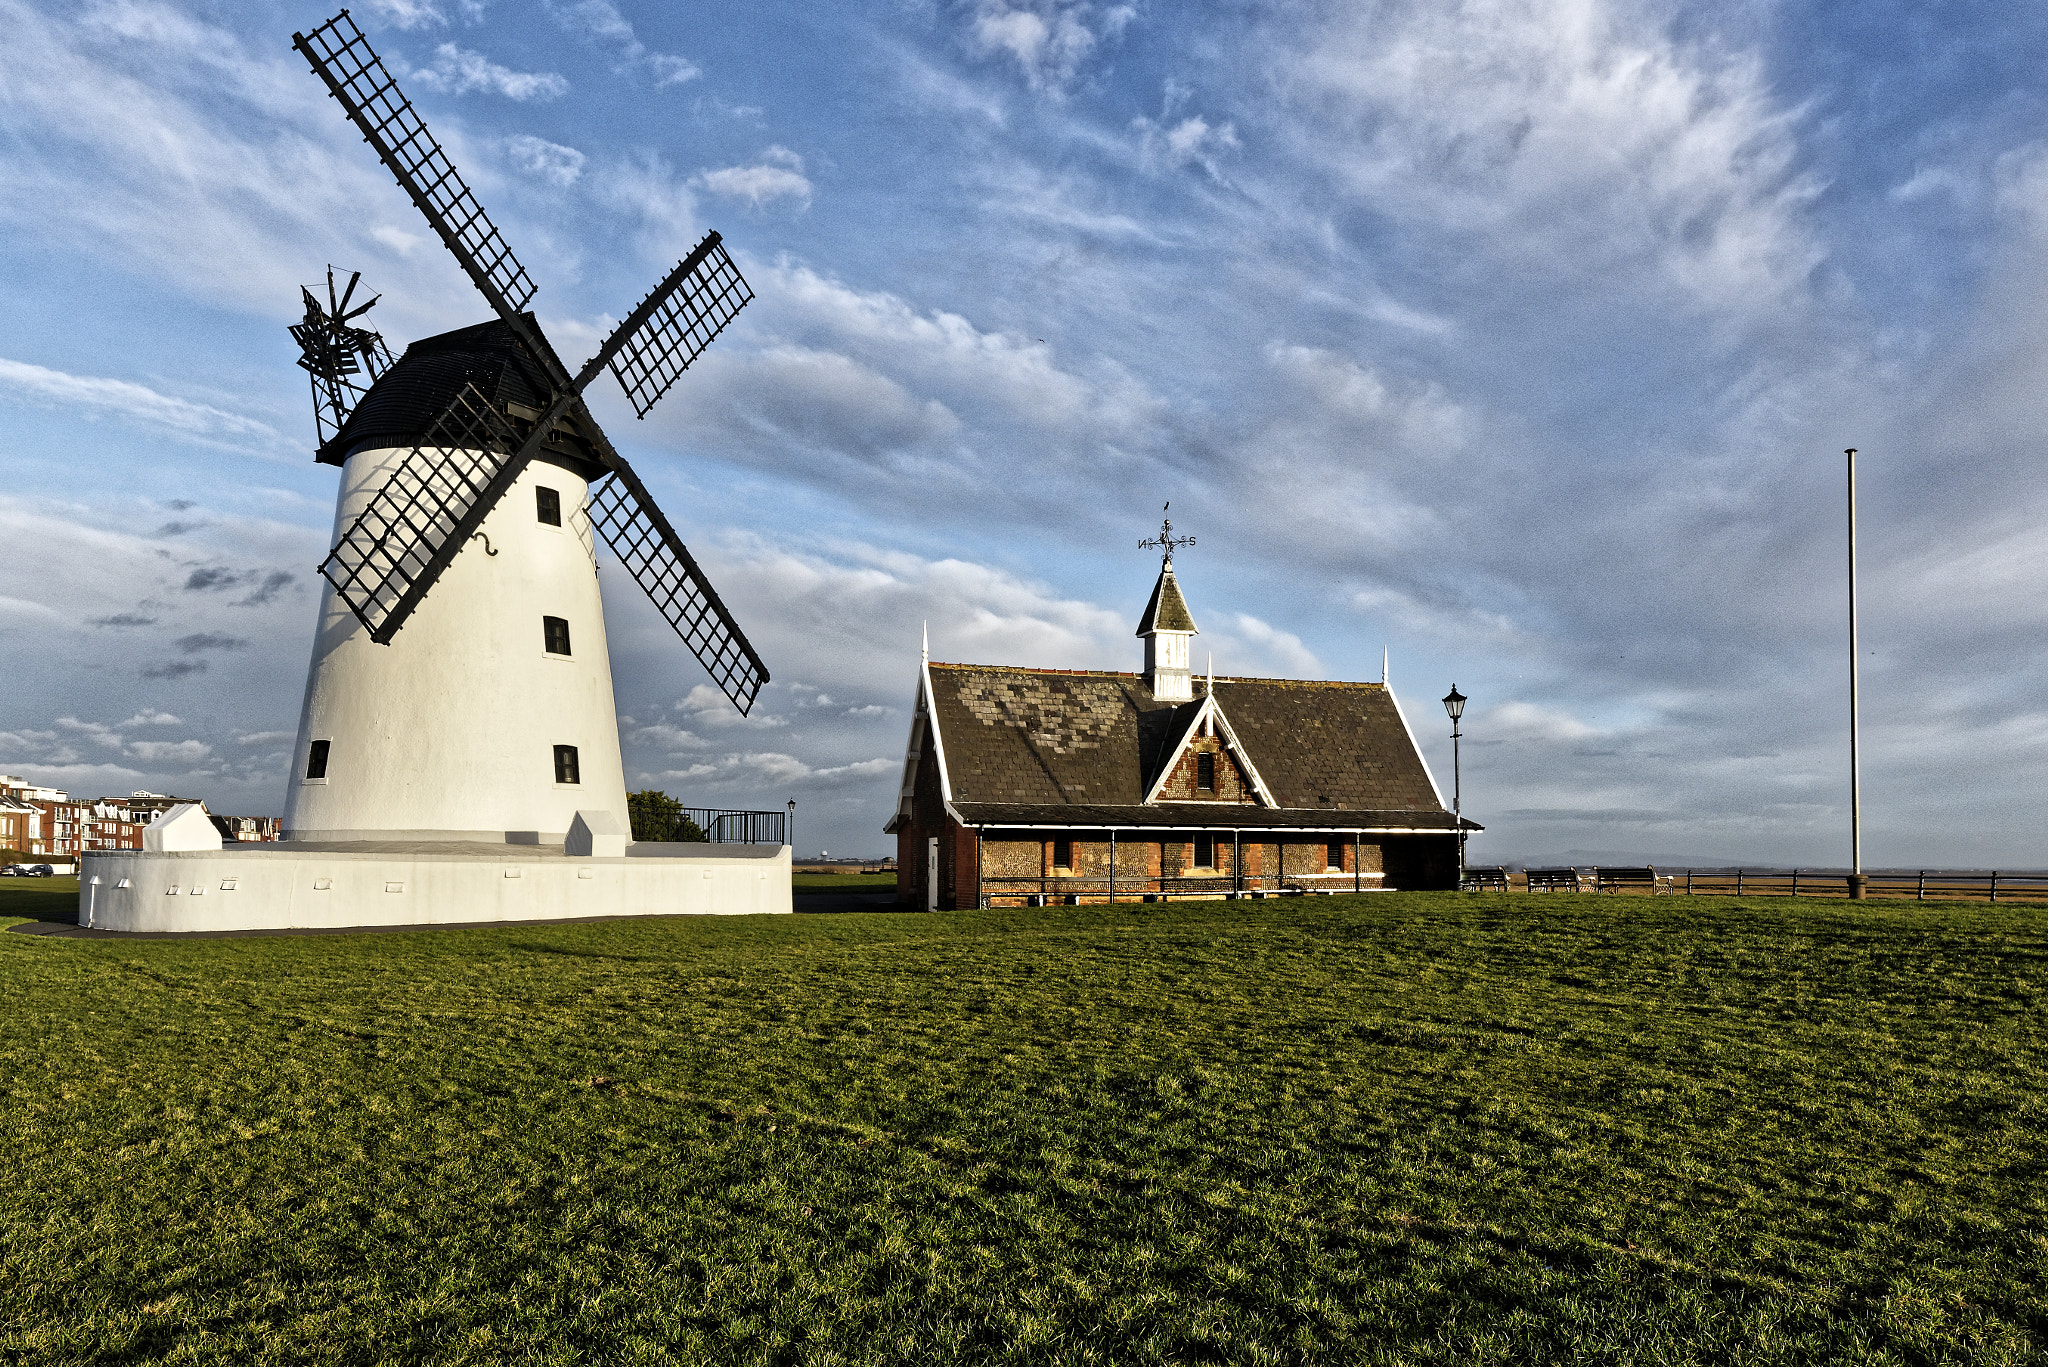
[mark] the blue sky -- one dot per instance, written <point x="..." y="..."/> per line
<point x="1520" y="340"/>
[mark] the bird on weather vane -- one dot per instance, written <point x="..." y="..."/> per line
<point x="1166" y="540"/>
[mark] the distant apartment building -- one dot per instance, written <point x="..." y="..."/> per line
<point x="46" y="821"/>
<point x="21" y="825"/>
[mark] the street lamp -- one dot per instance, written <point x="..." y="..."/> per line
<point x="791" y="828"/>
<point x="1454" y="705"/>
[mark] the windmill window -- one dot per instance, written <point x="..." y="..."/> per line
<point x="565" y="765"/>
<point x="555" y="631"/>
<point x="1205" y="771"/>
<point x="1063" y="854"/>
<point x="316" y="760"/>
<point x="548" y="503"/>
<point x="1205" y="849"/>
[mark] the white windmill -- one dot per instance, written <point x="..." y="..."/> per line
<point x="459" y="700"/>
<point x="465" y="520"/>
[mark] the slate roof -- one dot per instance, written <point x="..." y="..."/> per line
<point x="1166" y="610"/>
<point x="1091" y="739"/>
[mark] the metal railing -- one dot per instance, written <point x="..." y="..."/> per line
<point x="725" y="827"/>
<point x="1923" y="885"/>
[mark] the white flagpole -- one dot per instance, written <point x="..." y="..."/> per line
<point x="1856" y="881"/>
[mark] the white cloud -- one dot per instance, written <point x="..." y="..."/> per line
<point x="458" y="71"/>
<point x="1582" y="140"/>
<point x="778" y="175"/>
<point x="412" y="14"/>
<point x="646" y="188"/>
<point x="96" y="396"/>
<point x="600" y="22"/>
<point x="1047" y="39"/>
<point x="544" y="160"/>
<point x="1193" y="139"/>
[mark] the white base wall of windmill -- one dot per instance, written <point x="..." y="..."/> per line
<point x="343" y="885"/>
<point x="449" y="732"/>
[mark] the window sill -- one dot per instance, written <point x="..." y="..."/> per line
<point x="313" y="782"/>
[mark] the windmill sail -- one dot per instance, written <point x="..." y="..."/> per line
<point x="343" y="58"/>
<point x="655" y="556"/>
<point x="650" y="350"/>
<point x="399" y="544"/>
<point x="395" y="550"/>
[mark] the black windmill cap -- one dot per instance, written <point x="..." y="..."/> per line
<point x="406" y="399"/>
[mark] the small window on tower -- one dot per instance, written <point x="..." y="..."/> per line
<point x="565" y="765"/>
<point x="1205" y="771"/>
<point x="555" y="631"/>
<point x="1063" y="854"/>
<point x="549" y="504"/>
<point x="1336" y="855"/>
<point x="316" y="760"/>
<point x="1205" y="848"/>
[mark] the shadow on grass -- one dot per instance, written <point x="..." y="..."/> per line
<point x="40" y="899"/>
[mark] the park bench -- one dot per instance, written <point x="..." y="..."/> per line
<point x="1553" y="880"/>
<point x="1624" y="880"/>
<point x="1491" y="878"/>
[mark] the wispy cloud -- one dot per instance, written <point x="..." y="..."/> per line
<point x="600" y="22"/>
<point x="461" y="71"/>
<point x="1048" y="40"/>
<point x="97" y="396"/>
<point x="778" y="175"/>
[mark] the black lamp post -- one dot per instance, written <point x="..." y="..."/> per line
<point x="791" y="832"/>
<point x="1454" y="704"/>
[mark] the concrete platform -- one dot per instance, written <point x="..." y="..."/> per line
<point x="309" y="885"/>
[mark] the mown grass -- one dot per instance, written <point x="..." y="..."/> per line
<point x="1395" y="1128"/>
<point x="842" y="882"/>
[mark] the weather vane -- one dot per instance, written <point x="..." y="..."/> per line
<point x="1166" y="540"/>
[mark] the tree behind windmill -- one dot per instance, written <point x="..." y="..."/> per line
<point x="657" y="816"/>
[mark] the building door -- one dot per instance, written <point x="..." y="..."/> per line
<point x="931" y="873"/>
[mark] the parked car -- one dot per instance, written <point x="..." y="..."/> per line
<point x="12" y="871"/>
<point x="37" y="871"/>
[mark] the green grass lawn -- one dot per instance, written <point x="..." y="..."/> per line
<point x="1393" y="1128"/>
<point x="842" y="882"/>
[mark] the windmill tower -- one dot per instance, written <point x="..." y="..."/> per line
<point x="460" y="687"/>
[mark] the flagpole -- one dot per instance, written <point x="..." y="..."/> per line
<point x="1858" y="885"/>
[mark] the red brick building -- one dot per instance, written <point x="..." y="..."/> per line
<point x="1034" y="785"/>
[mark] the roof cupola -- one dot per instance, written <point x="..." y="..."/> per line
<point x="1167" y="625"/>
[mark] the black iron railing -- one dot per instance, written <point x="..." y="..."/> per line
<point x="724" y="827"/>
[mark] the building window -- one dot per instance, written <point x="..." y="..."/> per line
<point x="565" y="765"/>
<point x="1063" y="854"/>
<point x="316" y="760"/>
<point x="1337" y="855"/>
<point x="555" y="631"/>
<point x="548" y="504"/>
<point x="1205" y="771"/>
<point x="1205" y="848"/>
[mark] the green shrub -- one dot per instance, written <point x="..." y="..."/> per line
<point x="657" y="816"/>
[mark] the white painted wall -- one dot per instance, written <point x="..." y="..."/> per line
<point x="282" y="887"/>
<point x="1166" y="661"/>
<point x="449" y="731"/>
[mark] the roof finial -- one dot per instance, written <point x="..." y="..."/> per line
<point x="1166" y="540"/>
<point x="927" y="651"/>
<point x="1383" y="666"/>
<point x="1212" y="674"/>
